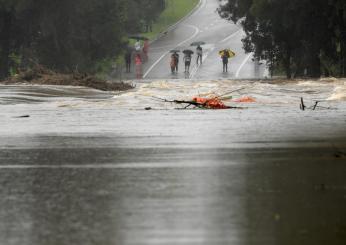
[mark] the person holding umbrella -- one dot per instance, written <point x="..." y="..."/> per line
<point x="174" y="62"/>
<point x="146" y="49"/>
<point x="138" y="63"/>
<point x="127" y="58"/>
<point x="187" y="59"/>
<point x="176" y="58"/>
<point x="138" y="46"/>
<point x="199" y="52"/>
<point x="225" y="58"/>
<point x="225" y="55"/>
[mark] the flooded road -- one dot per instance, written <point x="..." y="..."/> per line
<point x="79" y="166"/>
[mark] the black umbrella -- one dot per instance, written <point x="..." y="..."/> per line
<point x="188" y="51"/>
<point x="197" y="43"/>
<point x="138" y="38"/>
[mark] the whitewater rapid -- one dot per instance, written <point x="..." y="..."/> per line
<point x="147" y="94"/>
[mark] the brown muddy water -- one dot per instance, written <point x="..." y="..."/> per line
<point x="79" y="166"/>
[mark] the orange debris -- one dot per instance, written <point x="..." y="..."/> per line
<point x="245" y="99"/>
<point x="213" y="103"/>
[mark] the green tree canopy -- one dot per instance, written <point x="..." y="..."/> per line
<point x="66" y="35"/>
<point x="302" y="36"/>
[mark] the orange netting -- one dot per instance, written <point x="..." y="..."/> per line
<point x="213" y="103"/>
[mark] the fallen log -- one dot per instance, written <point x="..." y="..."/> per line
<point x="213" y="103"/>
<point x="303" y="107"/>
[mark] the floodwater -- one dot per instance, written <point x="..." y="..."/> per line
<point x="79" y="166"/>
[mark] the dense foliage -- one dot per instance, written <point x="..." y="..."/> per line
<point x="304" y="37"/>
<point x="65" y="35"/>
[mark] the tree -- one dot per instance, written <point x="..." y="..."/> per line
<point x="298" y="35"/>
<point x="141" y="13"/>
<point x="15" y="31"/>
<point x="67" y="35"/>
<point x="76" y="34"/>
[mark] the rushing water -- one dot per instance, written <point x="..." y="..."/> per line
<point x="263" y="91"/>
<point x="284" y="92"/>
<point x="80" y="166"/>
<point x="59" y="109"/>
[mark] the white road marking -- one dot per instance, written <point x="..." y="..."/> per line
<point x="230" y="36"/>
<point x="179" y="44"/>
<point x="152" y="67"/>
<point x="242" y="65"/>
<point x="193" y="36"/>
<point x="203" y="4"/>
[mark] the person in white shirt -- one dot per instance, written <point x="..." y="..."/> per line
<point x="138" y="46"/>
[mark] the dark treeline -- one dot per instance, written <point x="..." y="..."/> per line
<point x="66" y="35"/>
<point x="302" y="37"/>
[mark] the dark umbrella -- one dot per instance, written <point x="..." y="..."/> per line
<point x="188" y="51"/>
<point x="198" y="43"/>
<point x="138" y="38"/>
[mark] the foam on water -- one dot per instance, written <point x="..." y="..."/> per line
<point x="265" y="92"/>
<point x="339" y="93"/>
<point x="268" y="92"/>
<point x="26" y="94"/>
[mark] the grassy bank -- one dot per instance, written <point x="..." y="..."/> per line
<point x="175" y="10"/>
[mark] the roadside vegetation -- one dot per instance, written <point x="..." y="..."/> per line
<point x="69" y="36"/>
<point x="303" y="38"/>
<point x="174" y="11"/>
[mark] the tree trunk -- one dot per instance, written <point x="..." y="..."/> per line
<point x="315" y="66"/>
<point x="343" y="60"/>
<point x="326" y="72"/>
<point x="5" y="44"/>
<point x="342" y="24"/>
<point x="299" y="71"/>
<point x="287" y="64"/>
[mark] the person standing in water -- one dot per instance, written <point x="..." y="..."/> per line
<point x="199" y="52"/>
<point x="173" y="63"/>
<point x="176" y="57"/>
<point x="138" y="62"/>
<point x="127" y="58"/>
<point x="187" y="60"/>
<point x="146" y="49"/>
<point x="225" y="57"/>
<point x="138" y="46"/>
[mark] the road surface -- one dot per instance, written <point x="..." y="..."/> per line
<point x="206" y="25"/>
